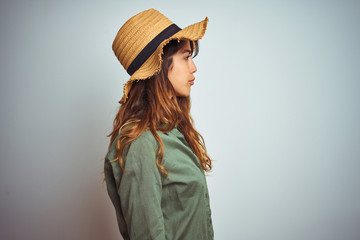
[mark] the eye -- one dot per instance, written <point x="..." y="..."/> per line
<point x="187" y="57"/>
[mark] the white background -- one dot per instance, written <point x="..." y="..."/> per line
<point x="276" y="98"/>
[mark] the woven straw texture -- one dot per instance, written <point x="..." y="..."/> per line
<point x="137" y="32"/>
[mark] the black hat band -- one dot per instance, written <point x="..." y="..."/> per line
<point x="151" y="47"/>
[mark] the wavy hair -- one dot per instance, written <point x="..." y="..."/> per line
<point x="153" y="105"/>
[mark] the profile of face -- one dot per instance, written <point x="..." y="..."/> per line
<point x="181" y="71"/>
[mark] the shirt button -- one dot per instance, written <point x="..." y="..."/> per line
<point x="206" y="195"/>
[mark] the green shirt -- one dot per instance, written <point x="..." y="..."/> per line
<point x="150" y="206"/>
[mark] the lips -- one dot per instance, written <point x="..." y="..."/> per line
<point x="192" y="82"/>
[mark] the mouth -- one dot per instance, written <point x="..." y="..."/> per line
<point x="192" y="81"/>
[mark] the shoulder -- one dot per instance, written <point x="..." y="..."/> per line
<point x="146" y="137"/>
<point x="145" y="142"/>
<point x="140" y="152"/>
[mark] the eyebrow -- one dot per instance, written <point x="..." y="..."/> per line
<point x="187" y="51"/>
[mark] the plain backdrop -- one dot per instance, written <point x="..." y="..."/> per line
<point x="276" y="98"/>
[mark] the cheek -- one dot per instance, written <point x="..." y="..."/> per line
<point x="181" y="71"/>
<point x="174" y="74"/>
<point x="178" y="73"/>
<point x="171" y="76"/>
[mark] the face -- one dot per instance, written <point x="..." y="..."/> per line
<point x="181" y="72"/>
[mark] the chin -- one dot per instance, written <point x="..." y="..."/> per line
<point x="183" y="94"/>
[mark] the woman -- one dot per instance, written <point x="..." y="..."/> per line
<point x="154" y="168"/>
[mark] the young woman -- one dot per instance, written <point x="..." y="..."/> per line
<point x="156" y="161"/>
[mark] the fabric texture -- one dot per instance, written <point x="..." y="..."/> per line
<point x="150" y="206"/>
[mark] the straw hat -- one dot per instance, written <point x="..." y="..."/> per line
<point x="139" y="43"/>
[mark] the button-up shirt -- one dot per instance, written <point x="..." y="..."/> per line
<point x="150" y="205"/>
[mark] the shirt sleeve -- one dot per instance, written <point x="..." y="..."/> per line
<point x="140" y="192"/>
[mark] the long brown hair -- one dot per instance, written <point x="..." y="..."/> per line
<point x="153" y="105"/>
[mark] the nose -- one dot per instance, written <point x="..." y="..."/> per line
<point x="193" y="68"/>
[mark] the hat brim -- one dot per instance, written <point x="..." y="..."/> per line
<point x="153" y="64"/>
